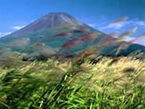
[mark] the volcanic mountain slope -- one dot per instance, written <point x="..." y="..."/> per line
<point x="60" y="33"/>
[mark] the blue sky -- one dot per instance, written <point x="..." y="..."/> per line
<point x="15" y="14"/>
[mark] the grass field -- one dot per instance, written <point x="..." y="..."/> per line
<point x="53" y="84"/>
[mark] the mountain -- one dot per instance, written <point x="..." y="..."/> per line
<point x="46" y="22"/>
<point x="60" y="33"/>
<point x="43" y="27"/>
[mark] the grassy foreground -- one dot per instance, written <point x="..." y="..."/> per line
<point x="106" y="84"/>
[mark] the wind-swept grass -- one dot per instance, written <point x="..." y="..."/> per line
<point x="55" y="84"/>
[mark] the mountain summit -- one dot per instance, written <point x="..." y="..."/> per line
<point x="46" y="22"/>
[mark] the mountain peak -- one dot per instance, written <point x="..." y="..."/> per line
<point x="56" y="18"/>
<point x="58" y="14"/>
<point x="46" y="22"/>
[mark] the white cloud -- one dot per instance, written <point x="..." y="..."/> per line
<point x="140" y="40"/>
<point x="17" y="27"/>
<point x="92" y="25"/>
<point x="141" y="23"/>
<point x="122" y="24"/>
<point x="137" y="23"/>
<point x="4" y="33"/>
<point x="114" y="26"/>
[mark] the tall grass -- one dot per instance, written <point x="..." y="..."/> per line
<point x="67" y="85"/>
